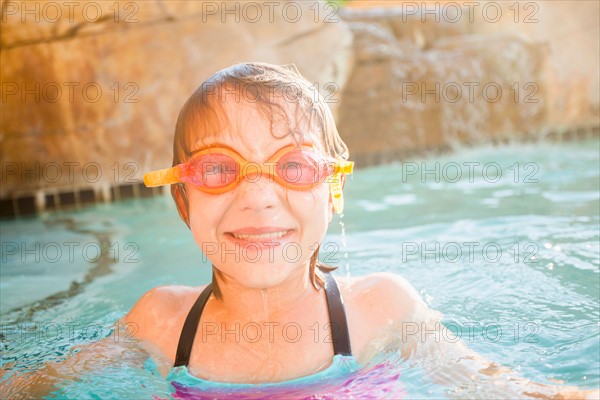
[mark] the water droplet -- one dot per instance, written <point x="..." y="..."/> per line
<point x="548" y="245"/>
<point x="550" y="266"/>
<point x="345" y="246"/>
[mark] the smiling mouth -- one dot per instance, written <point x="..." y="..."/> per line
<point x="260" y="236"/>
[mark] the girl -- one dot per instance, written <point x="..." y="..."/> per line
<point x="258" y="173"/>
<point x="257" y="176"/>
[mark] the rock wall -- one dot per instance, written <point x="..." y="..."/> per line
<point x="564" y="37"/>
<point x="425" y="85"/>
<point x="570" y="32"/>
<point x="93" y="102"/>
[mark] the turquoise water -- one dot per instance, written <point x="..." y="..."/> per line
<point x="508" y="252"/>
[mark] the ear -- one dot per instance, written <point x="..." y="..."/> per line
<point x="181" y="201"/>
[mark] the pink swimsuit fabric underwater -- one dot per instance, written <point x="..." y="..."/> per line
<point x="343" y="379"/>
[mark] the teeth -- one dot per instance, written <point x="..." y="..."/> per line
<point x="270" y="235"/>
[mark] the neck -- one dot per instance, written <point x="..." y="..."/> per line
<point x="266" y="304"/>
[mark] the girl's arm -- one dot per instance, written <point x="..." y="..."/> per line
<point x="90" y="358"/>
<point x="422" y="339"/>
<point x="452" y="364"/>
<point x="127" y="348"/>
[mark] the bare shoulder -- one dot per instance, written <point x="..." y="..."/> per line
<point x="161" y="311"/>
<point x="377" y="305"/>
<point x="386" y="294"/>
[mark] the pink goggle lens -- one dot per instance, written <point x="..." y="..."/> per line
<point x="211" y="171"/>
<point x="298" y="168"/>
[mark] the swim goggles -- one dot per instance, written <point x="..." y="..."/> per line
<point x="220" y="169"/>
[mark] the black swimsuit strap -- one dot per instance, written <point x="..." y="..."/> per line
<point x="335" y="307"/>
<point x="188" y="333"/>
<point x="337" y="317"/>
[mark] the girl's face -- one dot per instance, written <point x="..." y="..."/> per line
<point x="259" y="233"/>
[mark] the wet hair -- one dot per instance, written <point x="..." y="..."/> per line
<point x="269" y="88"/>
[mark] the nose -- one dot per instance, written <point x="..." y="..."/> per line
<point x="257" y="192"/>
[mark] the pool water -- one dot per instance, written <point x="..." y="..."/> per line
<point x="504" y="241"/>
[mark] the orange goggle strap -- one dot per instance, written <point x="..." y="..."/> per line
<point x="162" y="177"/>
<point x="171" y="175"/>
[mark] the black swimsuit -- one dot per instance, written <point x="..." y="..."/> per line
<point x="335" y="307"/>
